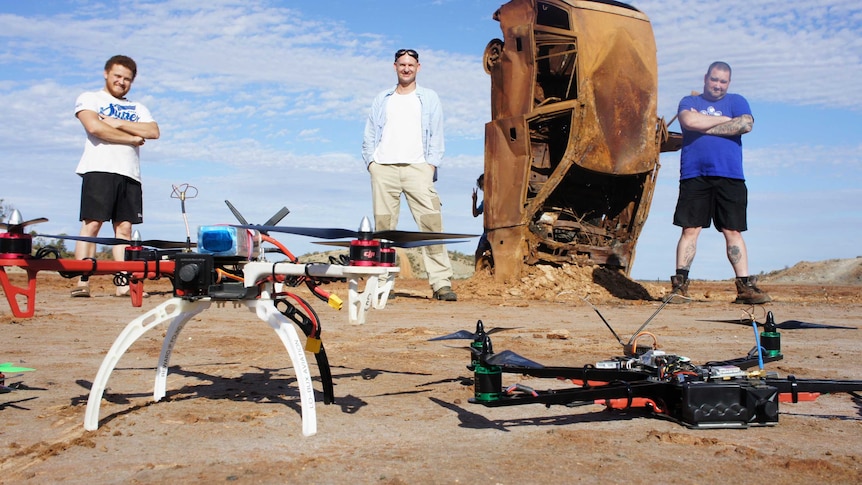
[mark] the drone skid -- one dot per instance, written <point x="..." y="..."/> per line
<point x="195" y="292"/>
<point x="178" y="312"/>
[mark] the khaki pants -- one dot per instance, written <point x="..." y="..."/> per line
<point x="416" y="182"/>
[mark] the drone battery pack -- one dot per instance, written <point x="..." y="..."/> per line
<point x="227" y="241"/>
<point x="734" y="404"/>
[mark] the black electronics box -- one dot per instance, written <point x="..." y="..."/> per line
<point x="736" y="403"/>
<point x="193" y="274"/>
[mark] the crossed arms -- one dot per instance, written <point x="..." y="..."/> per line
<point x="715" y="125"/>
<point x="113" y="130"/>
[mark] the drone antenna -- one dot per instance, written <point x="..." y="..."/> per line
<point x="757" y="343"/>
<point x="183" y="192"/>
<point x="635" y="335"/>
<point x="603" y="320"/>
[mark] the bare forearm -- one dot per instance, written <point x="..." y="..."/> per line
<point x="695" y="121"/>
<point x="110" y="134"/>
<point x="148" y="130"/>
<point x="106" y="129"/>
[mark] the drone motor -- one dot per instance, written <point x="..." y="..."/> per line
<point x="15" y="246"/>
<point x="15" y="243"/>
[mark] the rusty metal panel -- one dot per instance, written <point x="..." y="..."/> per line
<point x="509" y="140"/>
<point x="516" y="64"/>
<point x="571" y="154"/>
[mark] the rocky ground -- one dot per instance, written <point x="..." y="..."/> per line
<point x="401" y="411"/>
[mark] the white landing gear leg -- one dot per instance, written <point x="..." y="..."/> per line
<point x="375" y="294"/>
<point x="180" y="311"/>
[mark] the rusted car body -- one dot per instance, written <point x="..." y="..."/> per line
<point x="572" y="151"/>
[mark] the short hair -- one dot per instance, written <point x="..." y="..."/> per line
<point x="124" y="61"/>
<point x="721" y="66"/>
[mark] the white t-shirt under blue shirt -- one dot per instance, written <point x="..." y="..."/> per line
<point x="401" y="140"/>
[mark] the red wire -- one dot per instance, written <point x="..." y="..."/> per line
<point x="277" y="243"/>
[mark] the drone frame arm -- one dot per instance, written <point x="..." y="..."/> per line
<point x="139" y="270"/>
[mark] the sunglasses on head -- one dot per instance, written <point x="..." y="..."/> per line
<point x="410" y="52"/>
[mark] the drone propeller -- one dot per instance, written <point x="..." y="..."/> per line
<point x="509" y="359"/>
<point x="364" y="232"/>
<point x="407" y="245"/>
<point x="112" y="241"/>
<point x="468" y="335"/>
<point x="16" y="225"/>
<point x="786" y="325"/>
<point x="275" y="219"/>
<point x="10" y="367"/>
<point x="770" y="323"/>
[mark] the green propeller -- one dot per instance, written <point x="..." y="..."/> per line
<point x="9" y="367"/>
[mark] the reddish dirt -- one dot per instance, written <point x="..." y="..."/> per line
<point x="402" y="413"/>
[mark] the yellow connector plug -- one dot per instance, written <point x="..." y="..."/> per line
<point x="313" y="345"/>
<point x="335" y="301"/>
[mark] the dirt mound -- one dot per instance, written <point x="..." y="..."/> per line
<point x="829" y="272"/>
<point x="559" y="283"/>
<point x="586" y="280"/>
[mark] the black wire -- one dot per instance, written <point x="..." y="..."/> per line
<point x="47" y="251"/>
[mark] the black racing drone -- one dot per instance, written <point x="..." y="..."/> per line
<point x="719" y="394"/>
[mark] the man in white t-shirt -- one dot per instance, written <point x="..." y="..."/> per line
<point x="402" y="147"/>
<point x="110" y="167"/>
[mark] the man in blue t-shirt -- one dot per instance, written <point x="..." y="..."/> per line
<point x="711" y="183"/>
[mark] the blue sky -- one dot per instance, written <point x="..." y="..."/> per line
<point x="263" y="103"/>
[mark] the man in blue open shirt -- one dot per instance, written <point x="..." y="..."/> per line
<point x="712" y="183"/>
<point x="402" y="147"/>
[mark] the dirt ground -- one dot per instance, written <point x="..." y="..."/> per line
<point x="402" y="413"/>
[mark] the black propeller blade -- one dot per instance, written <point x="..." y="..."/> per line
<point x="507" y="358"/>
<point x="414" y="244"/>
<point x="468" y="335"/>
<point x="275" y="219"/>
<point x="770" y="324"/>
<point x="786" y="325"/>
<point x="112" y="241"/>
<point x="335" y="233"/>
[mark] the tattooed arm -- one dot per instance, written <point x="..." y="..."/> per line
<point x="736" y="126"/>
<point x="715" y="125"/>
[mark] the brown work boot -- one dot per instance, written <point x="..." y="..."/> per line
<point x="679" y="290"/>
<point x="749" y="293"/>
<point x="445" y="294"/>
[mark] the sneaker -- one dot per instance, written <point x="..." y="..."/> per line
<point x="81" y="292"/>
<point x="679" y="290"/>
<point x="445" y="294"/>
<point x="749" y="293"/>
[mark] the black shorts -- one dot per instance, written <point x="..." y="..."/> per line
<point x="717" y="199"/>
<point x="111" y="197"/>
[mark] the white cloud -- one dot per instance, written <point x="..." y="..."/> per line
<point x="263" y="103"/>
